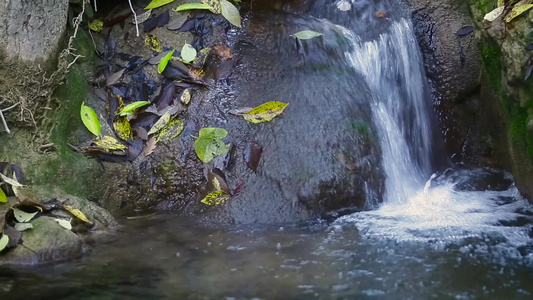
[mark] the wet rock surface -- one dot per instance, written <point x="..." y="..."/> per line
<point x="319" y="156"/>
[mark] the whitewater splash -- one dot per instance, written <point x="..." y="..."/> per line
<point x="415" y="208"/>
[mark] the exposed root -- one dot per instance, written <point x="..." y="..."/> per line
<point x="30" y="89"/>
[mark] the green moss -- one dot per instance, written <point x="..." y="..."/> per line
<point x="491" y="60"/>
<point x="485" y="6"/>
<point x="518" y="133"/>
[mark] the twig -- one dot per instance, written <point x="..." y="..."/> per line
<point x="4" y="121"/>
<point x="95" y="8"/>
<point x="11" y="107"/>
<point x="135" y="17"/>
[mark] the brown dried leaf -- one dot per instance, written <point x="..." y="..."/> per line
<point x="150" y="146"/>
<point x="223" y="52"/>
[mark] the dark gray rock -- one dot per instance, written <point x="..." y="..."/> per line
<point x="31" y="31"/>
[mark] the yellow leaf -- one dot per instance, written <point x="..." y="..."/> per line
<point x="517" y="11"/>
<point x="123" y="128"/>
<point x="502" y="2"/>
<point x="158" y="3"/>
<point x="77" y="213"/>
<point x="265" y="112"/>
<point x="215" y="198"/>
<point x="160" y="123"/>
<point x="3" y="197"/>
<point x="96" y="25"/>
<point x="153" y="43"/>
<point x="215" y="5"/>
<point x="109" y="143"/>
<point x="170" y="131"/>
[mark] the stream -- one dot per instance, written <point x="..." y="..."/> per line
<point x="438" y="232"/>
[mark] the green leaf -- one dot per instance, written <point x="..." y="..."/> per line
<point x="23" y="226"/>
<point x="96" y="25"/>
<point x="188" y="53"/>
<point x="209" y="144"/>
<point x="23" y="216"/>
<point x="4" y="241"/>
<point x="160" y="123"/>
<point x="191" y="6"/>
<point x="231" y="13"/>
<point x="3" y="197"/>
<point x="158" y="3"/>
<point x="109" y="143"/>
<point x="306" y="34"/>
<point x="128" y="109"/>
<point x="215" y="198"/>
<point x="517" y="11"/>
<point x="265" y="112"/>
<point x="90" y="120"/>
<point x="172" y="130"/>
<point x="164" y="61"/>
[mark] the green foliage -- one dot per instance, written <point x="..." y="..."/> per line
<point x="306" y="34"/>
<point x="191" y="6"/>
<point x="209" y="143"/>
<point x="130" y="108"/>
<point x="164" y="62"/>
<point x="188" y="53"/>
<point x="90" y="120"/>
<point x="4" y="241"/>
<point x="3" y="197"/>
<point x="265" y="112"/>
<point x="158" y="3"/>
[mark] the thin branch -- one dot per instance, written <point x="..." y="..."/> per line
<point x="5" y="124"/>
<point x="11" y="107"/>
<point x="135" y="17"/>
<point x="95" y="8"/>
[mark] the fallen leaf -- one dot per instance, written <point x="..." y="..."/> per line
<point x="465" y="30"/>
<point x="265" y="112"/>
<point x="150" y="146"/>
<point x="114" y="78"/>
<point x="208" y="145"/>
<point x="156" y="59"/>
<point x="215" y="198"/>
<point x="518" y="10"/>
<point x="185" y="97"/>
<point x="109" y="143"/>
<point x="217" y="181"/>
<point x="64" y="223"/>
<point x="191" y="6"/>
<point x="231" y="13"/>
<point x="22" y="216"/>
<point x="223" y="52"/>
<point x="142" y="17"/>
<point x="381" y="14"/>
<point x="306" y="34"/>
<point x="160" y="124"/>
<point x="90" y="120"/>
<point x="200" y="59"/>
<point x="215" y="4"/>
<point x="10" y="181"/>
<point x="96" y="25"/>
<point x="3" y="197"/>
<point x="494" y="14"/>
<point x="240" y="111"/>
<point x="528" y="72"/>
<point x="252" y="155"/>
<point x="157" y="21"/>
<point x="123" y="128"/>
<point x="188" y="53"/>
<point x="153" y="43"/>
<point x="4" y="241"/>
<point x="130" y="108"/>
<point x="76" y="213"/>
<point x="164" y="61"/>
<point x="172" y="130"/>
<point x="344" y="5"/>
<point x="158" y="3"/>
<point x="23" y="226"/>
<point x="177" y="23"/>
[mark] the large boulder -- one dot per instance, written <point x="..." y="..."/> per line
<point x="31" y="31"/>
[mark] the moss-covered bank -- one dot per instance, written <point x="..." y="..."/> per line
<point x="504" y="57"/>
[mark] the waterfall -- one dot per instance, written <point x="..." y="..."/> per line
<point x="391" y="66"/>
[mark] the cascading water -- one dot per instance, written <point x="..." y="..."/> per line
<point x="417" y="205"/>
